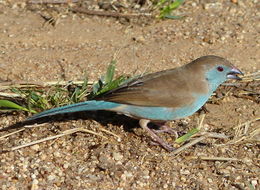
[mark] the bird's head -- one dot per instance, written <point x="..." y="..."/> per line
<point x="216" y="70"/>
<point x="224" y="72"/>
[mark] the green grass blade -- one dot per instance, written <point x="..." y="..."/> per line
<point x="167" y="10"/>
<point x="97" y="86"/>
<point x="12" y="105"/>
<point x="175" y="4"/>
<point x="251" y="187"/>
<point x="110" y="72"/>
<point x="161" y="2"/>
<point x="85" y="84"/>
<point x="187" y="135"/>
<point x="113" y="84"/>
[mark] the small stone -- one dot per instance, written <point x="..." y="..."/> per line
<point x="35" y="147"/>
<point x="35" y="184"/>
<point x="225" y="172"/>
<point x="128" y="174"/>
<point x="117" y="156"/>
<point x="139" y="39"/>
<point x="242" y="4"/>
<point x="193" y="4"/>
<point x="57" y="154"/>
<point x="216" y="5"/>
<point x="240" y="37"/>
<point x="51" y="177"/>
<point x="183" y="179"/>
<point x="33" y="176"/>
<point x="66" y="165"/>
<point x="93" y="177"/>
<point x="254" y="182"/>
<point x="43" y="157"/>
<point x="185" y="172"/>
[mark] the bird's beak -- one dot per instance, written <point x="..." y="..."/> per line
<point x="233" y="74"/>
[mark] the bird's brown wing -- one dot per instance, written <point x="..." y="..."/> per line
<point x="170" y="88"/>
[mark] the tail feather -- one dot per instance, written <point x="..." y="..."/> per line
<point x="83" y="106"/>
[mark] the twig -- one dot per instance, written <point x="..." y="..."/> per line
<point x="38" y="141"/>
<point x="109" y="132"/>
<point x="248" y="122"/>
<point x="52" y="1"/>
<point x="10" y="95"/>
<point x="242" y="136"/>
<point x="33" y="84"/>
<point x="200" y="123"/>
<point x="34" y="125"/>
<point x="214" y="158"/>
<point x="203" y="135"/>
<point x="67" y="132"/>
<point x="212" y="135"/>
<point x="185" y="146"/>
<point x="143" y="157"/>
<point x="12" y="133"/>
<point x="251" y="76"/>
<point x="109" y="14"/>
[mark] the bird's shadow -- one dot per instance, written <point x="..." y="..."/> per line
<point x="103" y="117"/>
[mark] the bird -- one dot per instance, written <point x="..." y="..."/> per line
<point x="161" y="96"/>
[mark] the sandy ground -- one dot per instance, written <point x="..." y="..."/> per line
<point x="78" y="44"/>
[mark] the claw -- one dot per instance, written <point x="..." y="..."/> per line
<point x="165" y="129"/>
<point x="144" y="124"/>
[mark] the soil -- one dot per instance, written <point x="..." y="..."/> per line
<point x="123" y="157"/>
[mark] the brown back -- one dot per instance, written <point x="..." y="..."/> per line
<point x="170" y="88"/>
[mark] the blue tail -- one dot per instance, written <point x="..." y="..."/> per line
<point x="83" y="106"/>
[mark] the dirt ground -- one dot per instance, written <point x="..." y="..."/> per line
<point x="123" y="157"/>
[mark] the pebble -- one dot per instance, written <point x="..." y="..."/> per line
<point x="146" y="174"/>
<point x="254" y="182"/>
<point x="210" y="180"/>
<point x="93" y="177"/>
<point x="140" y="39"/>
<point x="57" y="154"/>
<point x="183" y="179"/>
<point x="225" y="172"/>
<point x="34" y="186"/>
<point x="51" y="177"/>
<point x="117" y="156"/>
<point x="185" y="172"/>
<point x="66" y="165"/>
<point x="241" y="4"/>
<point x="216" y="6"/>
<point x="128" y="174"/>
<point x="33" y="176"/>
<point x="194" y="4"/>
<point x="35" y="147"/>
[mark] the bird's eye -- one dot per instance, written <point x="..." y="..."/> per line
<point x="220" y="69"/>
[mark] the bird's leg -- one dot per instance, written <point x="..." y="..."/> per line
<point x="204" y="109"/>
<point x="144" y="124"/>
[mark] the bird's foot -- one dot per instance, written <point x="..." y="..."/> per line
<point x="165" y="129"/>
<point x="144" y="124"/>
